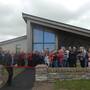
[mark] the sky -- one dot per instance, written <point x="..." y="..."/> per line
<point x="12" y="25"/>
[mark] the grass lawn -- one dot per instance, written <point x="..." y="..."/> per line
<point x="17" y="71"/>
<point x="72" y="85"/>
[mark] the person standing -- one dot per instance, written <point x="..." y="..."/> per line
<point x="60" y="57"/>
<point x="1" y="63"/>
<point x="70" y="59"/>
<point x="66" y="56"/>
<point x="37" y="59"/>
<point x="89" y="57"/>
<point x="9" y="63"/>
<point x="29" y="58"/>
<point x="81" y="56"/>
<point x="51" y="56"/>
<point x="85" y="54"/>
<point x="21" y="58"/>
<point x="55" y="62"/>
<point x="74" y="56"/>
<point x="46" y="59"/>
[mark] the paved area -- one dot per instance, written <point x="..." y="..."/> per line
<point x="24" y="81"/>
<point x="43" y="86"/>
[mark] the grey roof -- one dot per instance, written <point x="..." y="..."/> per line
<point x="13" y="40"/>
<point x="56" y="25"/>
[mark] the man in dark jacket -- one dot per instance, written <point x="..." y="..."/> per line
<point x="1" y="63"/>
<point x="72" y="57"/>
<point x="9" y="61"/>
<point x="1" y="56"/>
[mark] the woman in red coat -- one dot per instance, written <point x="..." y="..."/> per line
<point x="60" y="57"/>
<point x="51" y="55"/>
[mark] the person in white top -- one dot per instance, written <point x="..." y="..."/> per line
<point x="46" y="59"/>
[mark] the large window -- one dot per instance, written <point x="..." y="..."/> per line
<point x="43" y="39"/>
<point x="49" y="37"/>
<point x="50" y="46"/>
<point x="38" y="47"/>
<point x="38" y="36"/>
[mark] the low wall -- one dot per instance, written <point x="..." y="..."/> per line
<point x="68" y="73"/>
<point x="44" y="73"/>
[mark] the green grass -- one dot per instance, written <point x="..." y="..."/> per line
<point x="72" y="85"/>
<point x="17" y="71"/>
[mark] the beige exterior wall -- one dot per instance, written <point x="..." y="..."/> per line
<point x="12" y="45"/>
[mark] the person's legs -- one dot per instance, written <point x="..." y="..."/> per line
<point x="55" y="63"/>
<point x="1" y="70"/>
<point x="22" y="62"/>
<point x="86" y="62"/>
<point x="81" y="63"/>
<point x="65" y="63"/>
<point x="70" y="63"/>
<point x="10" y="75"/>
<point x="75" y="63"/>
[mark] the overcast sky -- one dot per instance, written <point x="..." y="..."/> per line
<point x="75" y="12"/>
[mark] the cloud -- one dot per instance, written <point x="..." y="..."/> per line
<point x="83" y="20"/>
<point x="62" y="10"/>
<point x="11" y="22"/>
<point x="6" y="37"/>
<point x="75" y="12"/>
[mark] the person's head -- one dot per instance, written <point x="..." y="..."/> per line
<point x="89" y="50"/>
<point x="81" y="49"/>
<point x="5" y="51"/>
<point x="12" y="53"/>
<point x="46" y="50"/>
<point x="36" y="52"/>
<point x="70" y="48"/>
<point x="60" y="51"/>
<point x="55" y="53"/>
<point x="74" y="48"/>
<point x="63" y="48"/>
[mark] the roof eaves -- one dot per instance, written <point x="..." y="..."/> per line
<point x="13" y="40"/>
<point x="39" y="19"/>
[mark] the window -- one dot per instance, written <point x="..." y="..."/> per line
<point x="38" y="36"/>
<point x="50" y="46"/>
<point x="38" y="47"/>
<point x="49" y="37"/>
<point x="43" y="39"/>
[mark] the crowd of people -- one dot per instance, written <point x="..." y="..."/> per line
<point x="64" y="57"/>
